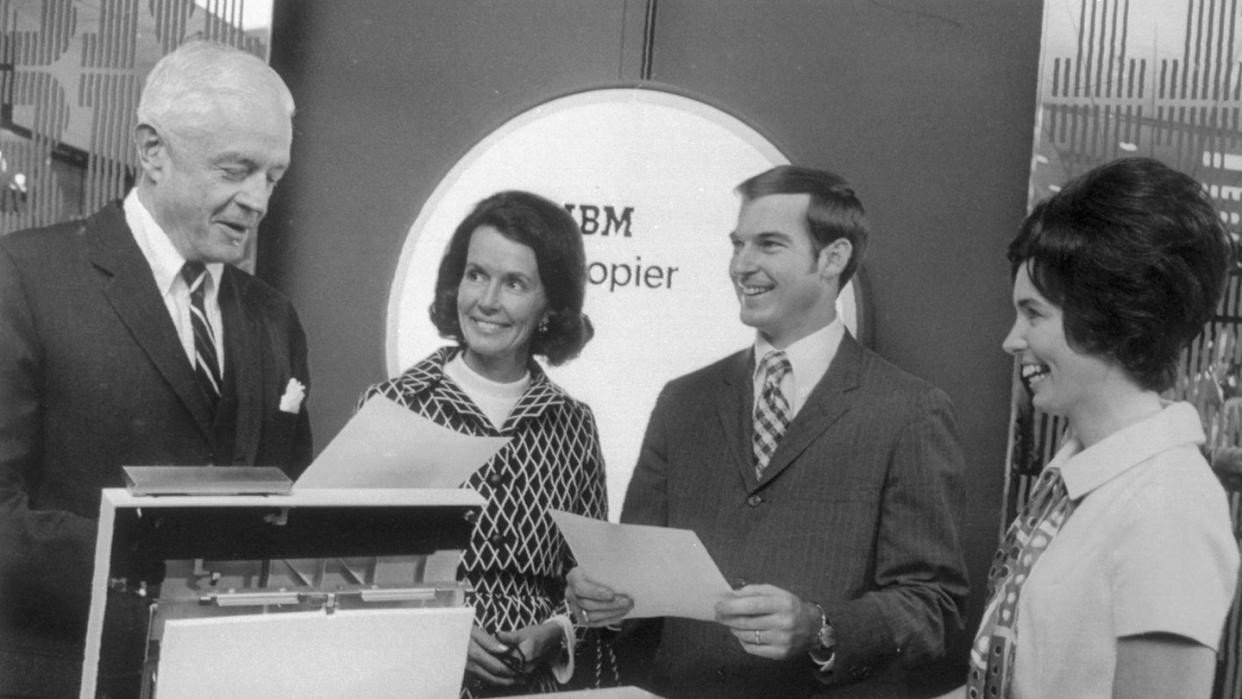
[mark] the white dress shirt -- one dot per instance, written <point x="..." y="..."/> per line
<point x="166" y="264"/>
<point x="809" y="358"/>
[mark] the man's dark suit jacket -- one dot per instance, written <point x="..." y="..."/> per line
<point x="858" y="510"/>
<point x="92" y="378"/>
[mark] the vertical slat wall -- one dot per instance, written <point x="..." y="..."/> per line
<point x="1211" y="379"/>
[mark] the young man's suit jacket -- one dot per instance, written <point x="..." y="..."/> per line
<point x="858" y="510"/>
<point x="93" y="377"/>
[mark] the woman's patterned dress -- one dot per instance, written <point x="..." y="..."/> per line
<point x="517" y="560"/>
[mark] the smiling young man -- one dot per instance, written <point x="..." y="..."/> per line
<point x="824" y="481"/>
<point x="128" y="338"/>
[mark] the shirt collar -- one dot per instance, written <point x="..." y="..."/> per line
<point x="429" y="371"/>
<point x="1084" y="470"/>
<point x="162" y="256"/>
<point x="809" y="356"/>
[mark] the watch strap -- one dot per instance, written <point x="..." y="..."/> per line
<point x="824" y="652"/>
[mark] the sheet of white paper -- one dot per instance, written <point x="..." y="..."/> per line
<point x="350" y="653"/>
<point x="666" y="571"/>
<point x="386" y="445"/>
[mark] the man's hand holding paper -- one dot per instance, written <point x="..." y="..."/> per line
<point x="662" y="571"/>
<point x="594" y="604"/>
<point x="769" y="622"/>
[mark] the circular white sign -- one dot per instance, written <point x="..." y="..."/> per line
<point x="649" y="176"/>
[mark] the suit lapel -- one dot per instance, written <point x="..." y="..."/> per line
<point x="734" y="409"/>
<point x="244" y="352"/>
<point x="131" y="290"/>
<point x="829" y="400"/>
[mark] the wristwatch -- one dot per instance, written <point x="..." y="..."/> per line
<point x="824" y="652"/>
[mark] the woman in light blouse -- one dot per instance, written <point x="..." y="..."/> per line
<point x="1116" y="578"/>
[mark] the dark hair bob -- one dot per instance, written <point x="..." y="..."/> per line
<point x="1135" y="255"/>
<point x="552" y="234"/>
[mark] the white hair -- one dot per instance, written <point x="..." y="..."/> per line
<point x="196" y="76"/>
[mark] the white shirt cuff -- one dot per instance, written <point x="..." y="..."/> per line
<point x="563" y="664"/>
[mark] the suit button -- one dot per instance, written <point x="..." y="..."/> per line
<point x="496" y="479"/>
<point x="754" y="500"/>
<point x="740" y="582"/>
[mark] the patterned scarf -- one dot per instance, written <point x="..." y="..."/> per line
<point x="991" y="658"/>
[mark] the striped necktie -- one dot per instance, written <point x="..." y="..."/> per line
<point x="771" y="410"/>
<point x="206" y="365"/>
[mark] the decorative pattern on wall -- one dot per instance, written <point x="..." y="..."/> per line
<point x="70" y="75"/>
<point x="1163" y="79"/>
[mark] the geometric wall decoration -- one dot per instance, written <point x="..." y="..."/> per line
<point x="70" y="75"/>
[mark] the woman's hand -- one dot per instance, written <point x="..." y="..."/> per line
<point x="538" y="644"/>
<point x="504" y="659"/>
<point x="491" y="661"/>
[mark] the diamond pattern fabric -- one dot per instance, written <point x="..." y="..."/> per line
<point x="517" y="559"/>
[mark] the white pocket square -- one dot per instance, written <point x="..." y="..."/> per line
<point x="295" y="393"/>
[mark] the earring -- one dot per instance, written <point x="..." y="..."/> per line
<point x="542" y="329"/>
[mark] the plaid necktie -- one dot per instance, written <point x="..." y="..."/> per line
<point x="991" y="658"/>
<point x="771" y="410"/>
<point x="206" y="366"/>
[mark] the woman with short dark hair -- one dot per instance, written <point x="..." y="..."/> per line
<point x="1116" y="578"/>
<point x="511" y="286"/>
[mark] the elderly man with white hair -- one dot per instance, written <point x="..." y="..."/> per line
<point x="129" y="338"/>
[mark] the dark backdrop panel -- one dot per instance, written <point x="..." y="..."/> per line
<point x="928" y="107"/>
<point x="390" y="94"/>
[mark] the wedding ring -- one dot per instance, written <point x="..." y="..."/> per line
<point x="758" y="641"/>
